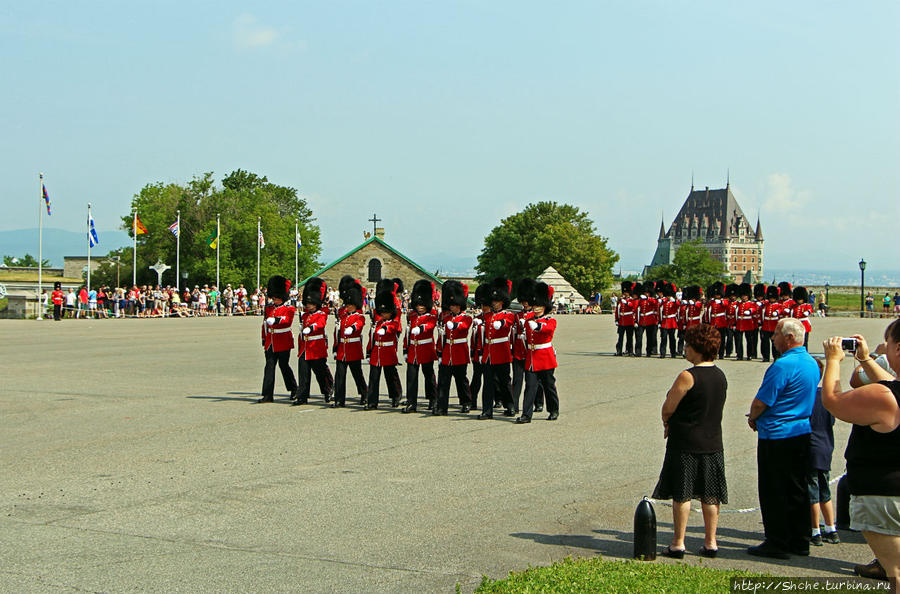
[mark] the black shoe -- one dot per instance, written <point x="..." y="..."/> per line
<point x="539" y="408"/>
<point x="409" y="408"/>
<point x="522" y="420"/>
<point x="265" y="399"/>
<point x="464" y="409"/>
<point x="663" y="357"/>
<point x="370" y="407"/>
<point x="485" y="415"/>
<point x="831" y="537"/>
<point x="298" y="402"/>
<point x="497" y="405"/>
<point x="619" y="354"/>
<point x="708" y="553"/>
<point x="553" y="416"/>
<point x="766" y="550"/>
<point x="672" y="553"/>
<point x="873" y="571"/>
<point x="816" y="540"/>
<point x="342" y="404"/>
<point x="509" y="412"/>
<point x="395" y="402"/>
<point x="327" y="397"/>
<point x="333" y="405"/>
<point x="438" y="412"/>
<point x="294" y="394"/>
<point x="675" y="357"/>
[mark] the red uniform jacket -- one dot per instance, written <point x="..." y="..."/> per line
<point x="497" y="348"/>
<point x="349" y="346"/>
<point x="58" y="297"/>
<point x="384" y="345"/>
<point x="456" y="348"/>
<point x="771" y="313"/>
<point x="647" y="311"/>
<point x="314" y="344"/>
<point x="716" y="311"/>
<point x="802" y="311"/>
<point x="278" y="336"/>
<point x="625" y="312"/>
<point x="694" y="315"/>
<point x="746" y="316"/>
<point x="787" y="307"/>
<point x="760" y="306"/>
<point x="541" y="354"/>
<point x="420" y="347"/>
<point x="476" y="339"/>
<point x="681" y="316"/>
<point x="519" y="345"/>
<point x="668" y="312"/>
<point x="732" y="313"/>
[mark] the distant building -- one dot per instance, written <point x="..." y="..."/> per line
<point x="716" y="218"/>
<point x="76" y="266"/>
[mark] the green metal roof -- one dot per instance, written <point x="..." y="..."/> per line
<point x="437" y="281"/>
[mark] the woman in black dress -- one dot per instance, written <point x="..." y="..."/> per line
<point x="694" y="466"/>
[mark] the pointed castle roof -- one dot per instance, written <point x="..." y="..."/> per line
<point x="716" y="212"/>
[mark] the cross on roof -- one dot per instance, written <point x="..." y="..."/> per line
<point x="375" y="220"/>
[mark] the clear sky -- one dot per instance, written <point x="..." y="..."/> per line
<point x="444" y="117"/>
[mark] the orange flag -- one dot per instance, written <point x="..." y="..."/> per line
<point x="139" y="228"/>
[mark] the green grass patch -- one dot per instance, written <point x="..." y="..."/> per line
<point x="16" y="276"/>
<point x="4" y="303"/>
<point x="597" y="575"/>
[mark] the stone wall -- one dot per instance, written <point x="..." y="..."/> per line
<point x="357" y="266"/>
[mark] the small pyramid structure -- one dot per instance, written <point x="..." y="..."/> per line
<point x="561" y="287"/>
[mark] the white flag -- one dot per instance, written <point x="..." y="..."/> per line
<point x="262" y="241"/>
<point x="299" y="241"/>
<point x="92" y="233"/>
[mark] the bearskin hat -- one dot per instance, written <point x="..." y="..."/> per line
<point x="398" y="286"/>
<point x="500" y="289"/>
<point x="759" y="291"/>
<point x="385" y="304"/>
<point x="454" y="294"/>
<point x="525" y="290"/>
<point x="784" y="289"/>
<point x="543" y="295"/>
<point x="716" y="290"/>
<point x="801" y="295"/>
<point x="482" y="295"/>
<point x="278" y="287"/>
<point x="314" y="291"/>
<point x="772" y="292"/>
<point x="345" y="283"/>
<point x="627" y="287"/>
<point x="731" y="290"/>
<point x="385" y="284"/>
<point x="423" y="294"/>
<point x="744" y="290"/>
<point x="691" y="293"/>
<point x="353" y="295"/>
<point x="57" y="285"/>
<point x="668" y="289"/>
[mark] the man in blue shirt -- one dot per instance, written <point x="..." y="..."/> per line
<point x="780" y="415"/>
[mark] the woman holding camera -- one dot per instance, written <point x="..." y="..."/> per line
<point x="873" y="467"/>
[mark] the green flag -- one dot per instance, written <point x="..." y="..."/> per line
<point x="213" y="239"/>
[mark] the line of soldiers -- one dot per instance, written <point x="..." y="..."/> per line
<point x="745" y="316"/>
<point x="506" y="349"/>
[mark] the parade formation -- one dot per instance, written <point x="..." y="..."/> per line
<point x="745" y="316"/>
<point x="506" y="349"/>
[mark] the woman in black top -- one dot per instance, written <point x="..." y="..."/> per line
<point x="694" y="467"/>
<point x="873" y="464"/>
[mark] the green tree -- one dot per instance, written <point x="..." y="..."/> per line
<point x="548" y="234"/>
<point x="27" y="261"/>
<point x="692" y="265"/>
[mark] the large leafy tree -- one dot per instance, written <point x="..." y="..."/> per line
<point x="27" y="261"/>
<point x="243" y="199"/>
<point x="548" y="234"/>
<point x="692" y="265"/>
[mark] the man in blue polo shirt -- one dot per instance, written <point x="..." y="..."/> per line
<point x="780" y="415"/>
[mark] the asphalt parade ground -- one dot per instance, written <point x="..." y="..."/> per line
<point x="134" y="459"/>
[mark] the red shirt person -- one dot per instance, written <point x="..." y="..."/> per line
<point x="421" y="352"/>
<point x="313" y="350"/>
<point x="540" y="361"/>
<point x="277" y="339"/>
<point x="348" y="339"/>
<point x="383" y="356"/>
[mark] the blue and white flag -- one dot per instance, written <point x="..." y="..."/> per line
<point x="262" y="240"/>
<point x="299" y="241"/>
<point x="174" y="229"/>
<point x="92" y="233"/>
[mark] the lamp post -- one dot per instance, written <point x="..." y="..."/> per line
<point x="862" y="288"/>
<point x="826" y="298"/>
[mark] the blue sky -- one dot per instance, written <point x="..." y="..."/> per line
<point x="444" y="117"/>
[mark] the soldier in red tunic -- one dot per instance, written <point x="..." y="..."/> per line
<point x="348" y="344"/>
<point x="802" y="310"/>
<point x="383" y="356"/>
<point x="745" y="315"/>
<point x="497" y="352"/>
<point x="624" y="316"/>
<point x="524" y="295"/>
<point x="540" y="361"/>
<point x="313" y="351"/>
<point x="717" y="312"/>
<point x="731" y="299"/>
<point x="759" y="297"/>
<point x="455" y="352"/>
<point x="771" y="313"/>
<point x="646" y="318"/>
<point x="476" y="340"/>
<point x="785" y="293"/>
<point x="57" y="297"/>
<point x="420" y="349"/>
<point x="668" y="323"/>
<point x="277" y="338"/>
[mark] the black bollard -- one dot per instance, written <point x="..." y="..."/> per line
<point x="645" y="531"/>
<point x="842" y="505"/>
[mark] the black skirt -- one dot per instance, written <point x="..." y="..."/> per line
<point x="685" y="476"/>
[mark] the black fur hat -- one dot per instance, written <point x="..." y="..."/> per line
<point x="691" y="293"/>
<point x="716" y="290"/>
<point x="278" y="287"/>
<point x="57" y="285"/>
<point x="314" y="291"/>
<point x="801" y="295"/>
<point x="668" y="289"/>
<point x="500" y="289"/>
<point x="385" y="284"/>
<point x="784" y="289"/>
<point x="423" y="294"/>
<point x="384" y="303"/>
<point x="731" y="290"/>
<point x="398" y="286"/>
<point x="543" y="295"/>
<point x="454" y="294"/>
<point x="525" y="290"/>
<point x="353" y="295"/>
<point x="482" y="295"/>
<point x="772" y="292"/>
<point x="744" y="290"/>
<point x="759" y="291"/>
<point x="627" y="286"/>
<point x="345" y="283"/>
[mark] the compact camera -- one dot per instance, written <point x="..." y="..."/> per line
<point x="848" y="344"/>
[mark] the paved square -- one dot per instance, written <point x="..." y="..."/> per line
<point x="132" y="459"/>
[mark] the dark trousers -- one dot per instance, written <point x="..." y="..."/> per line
<point x="518" y="382"/>
<point x="723" y="338"/>
<point x="323" y="378"/>
<point x="782" y="465"/>
<point x="391" y="378"/>
<point x="340" y="380"/>
<point x="458" y="373"/>
<point x="639" y="340"/>
<point x="546" y="380"/>
<point x="752" y="341"/>
<point x="283" y="360"/>
<point x="667" y="335"/>
<point x="496" y="384"/>
<point x="626" y="333"/>
<point x="679" y="350"/>
<point x="729" y="341"/>
<point x="412" y="382"/>
<point x="475" y="382"/>
<point x="739" y="337"/>
<point x="57" y="311"/>
<point x="765" y="344"/>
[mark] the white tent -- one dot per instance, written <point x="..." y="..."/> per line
<point x="561" y="287"/>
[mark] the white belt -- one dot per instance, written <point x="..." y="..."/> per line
<point x="384" y="344"/>
<point x="745" y="317"/>
<point x="315" y="337"/>
<point x="496" y="340"/>
<point x="421" y="341"/>
<point x="718" y="315"/>
<point x="537" y="347"/>
<point x="277" y="330"/>
<point x="346" y="340"/>
<point x="458" y="341"/>
<point x="671" y="316"/>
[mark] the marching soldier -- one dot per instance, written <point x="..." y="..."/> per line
<point x="771" y="313"/>
<point x="646" y="318"/>
<point x="525" y="295"/>
<point x="802" y="310"/>
<point x="348" y="341"/>
<point x="498" y="326"/>
<point x="277" y="339"/>
<point x="716" y="313"/>
<point x="681" y="321"/>
<point x="759" y="296"/>
<point x="383" y="354"/>
<point x="668" y="323"/>
<point x="476" y="340"/>
<point x="420" y="349"/>
<point x="313" y="350"/>
<point x="624" y="316"/>
<point x="731" y="300"/>
<point x="541" y="356"/>
<point x="785" y="292"/>
<point x="745" y="312"/>
<point x="455" y="352"/>
<point x="57" y="297"/>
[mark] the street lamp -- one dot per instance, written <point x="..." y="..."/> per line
<point x="862" y="288"/>
<point x="826" y="298"/>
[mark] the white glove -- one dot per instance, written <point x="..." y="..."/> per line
<point x="522" y="322"/>
<point x="533" y="325"/>
<point x="497" y="325"/>
<point x="380" y="332"/>
<point x="348" y="331"/>
<point x="270" y="321"/>
<point x="307" y="330"/>
<point x="478" y="321"/>
<point x="449" y="325"/>
<point x="415" y="331"/>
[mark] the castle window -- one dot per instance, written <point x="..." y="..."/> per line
<point x="374" y="270"/>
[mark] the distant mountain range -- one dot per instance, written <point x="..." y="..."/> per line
<point x="58" y="243"/>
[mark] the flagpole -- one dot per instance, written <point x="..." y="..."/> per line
<point x="258" y="229"/>
<point x="40" y="314"/>
<point x="178" y="253"/>
<point x="296" y="252"/>
<point x="89" y="249"/>
<point x="134" y="251"/>
<point x="218" y="241"/>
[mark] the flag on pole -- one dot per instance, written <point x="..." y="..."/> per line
<point x="92" y="234"/>
<point x="174" y="229"/>
<point x="139" y="228"/>
<point x="299" y="241"/>
<point x="46" y="198"/>
<point x="262" y="241"/>
<point x="213" y="239"/>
